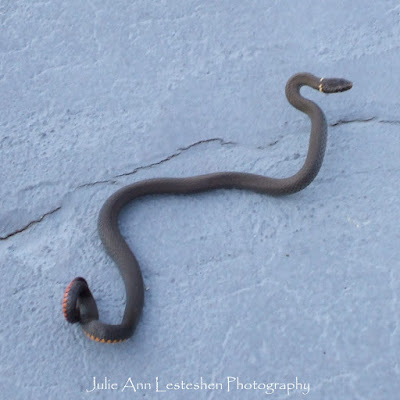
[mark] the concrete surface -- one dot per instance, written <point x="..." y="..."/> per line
<point x="98" y="94"/>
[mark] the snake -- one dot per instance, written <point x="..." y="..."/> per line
<point x="79" y="304"/>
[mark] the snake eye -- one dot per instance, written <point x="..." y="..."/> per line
<point x="71" y="296"/>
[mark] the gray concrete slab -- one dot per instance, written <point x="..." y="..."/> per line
<point x="98" y="94"/>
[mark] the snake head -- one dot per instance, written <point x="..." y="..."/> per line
<point x="334" y="85"/>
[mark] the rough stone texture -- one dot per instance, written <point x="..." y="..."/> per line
<point x="98" y="94"/>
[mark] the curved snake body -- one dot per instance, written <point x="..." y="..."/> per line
<point x="79" y="304"/>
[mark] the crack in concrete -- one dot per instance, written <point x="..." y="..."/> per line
<point x="390" y="121"/>
<point x="34" y="222"/>
<point x="106" y="181"/>
<point x="369" y="119"/>
<point x="351" y="121"/>
<point x="271" y="144"/>
<point x="153" y="164"/>
<point x="176" y="154"/>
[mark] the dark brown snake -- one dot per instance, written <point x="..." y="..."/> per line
<point x="79" y="304"/>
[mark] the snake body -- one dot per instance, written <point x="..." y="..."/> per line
<point x="79" y="304"/>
